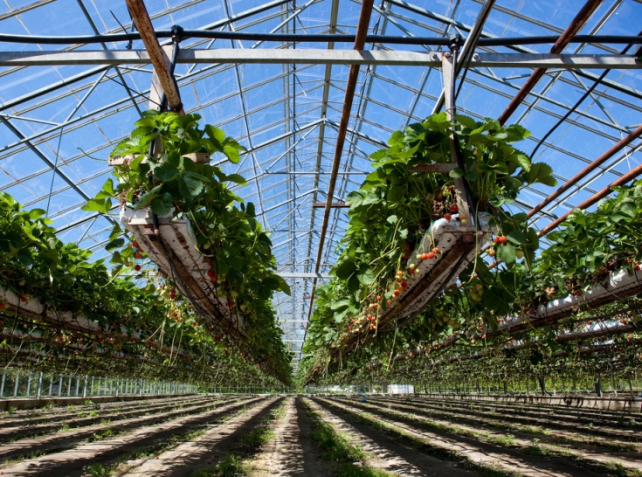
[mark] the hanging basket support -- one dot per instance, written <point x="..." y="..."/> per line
<point x="449" y="66"/>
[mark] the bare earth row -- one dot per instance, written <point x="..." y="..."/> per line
<point x="209" y="436"/>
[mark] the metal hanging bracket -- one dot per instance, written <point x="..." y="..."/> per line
<point x="449" y="65"/>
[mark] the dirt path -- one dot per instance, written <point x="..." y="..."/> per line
<point x="631" y="460"/>
<point x="582" y="415"/>
<point x="65" y="440"/>
<point x="205" y="449"/>
<point x="37" y="415"/>
<point x="574" y="436"/>
<point x="291" y="453"/>
<point x="384" y="452"/>
<point x="479" y="453"/>
<point x="70" y="462"/>
<point x="74" y="422"/>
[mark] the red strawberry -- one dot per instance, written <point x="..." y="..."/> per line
<point x="448" y="217"/>
<point x="454" y="209"/>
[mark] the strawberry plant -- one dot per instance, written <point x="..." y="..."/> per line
<point x="395" y="207"/>
<point x="135" y="329"/>
<point x="226" y="230"/>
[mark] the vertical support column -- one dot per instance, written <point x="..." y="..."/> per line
<point x="98" y="389"/>
<point x="447" y="61"/>
<point x="91" y="391"/>
<point x="69" y="379"/>
<point x="117" y="387"/>
<point x="4" y="378"/>
<point x="84" y="388"/>
<point x="29" y="385"/>
<point x="51" y="378"/>
<point x="77" y="385"/>
<point x="39" y="387"/>
<point x="60" y="385"/>
<point x="15" y="385"/>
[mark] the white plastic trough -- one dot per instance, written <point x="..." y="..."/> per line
<point x="458" y="245"/>
<point x="175" y="253"/>
<point x="33" y="309"/>
<point x="618" y="286"/>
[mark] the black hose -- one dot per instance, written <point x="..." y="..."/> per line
<point x="316" y="38"/>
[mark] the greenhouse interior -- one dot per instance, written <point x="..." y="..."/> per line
<point x="321" y="238"/>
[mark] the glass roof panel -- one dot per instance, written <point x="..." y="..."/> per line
<point x="70" y="116"/>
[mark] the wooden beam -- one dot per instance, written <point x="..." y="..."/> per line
<point x="156" y="54"/>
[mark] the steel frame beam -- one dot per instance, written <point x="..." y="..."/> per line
<point x="319" y="57"/>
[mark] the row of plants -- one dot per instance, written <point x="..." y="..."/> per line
<point x="226" y="230"/>
<point x="540" y="367"/>
<point x="396" y="208"/>
<point x="134" y="312"/>
<point x="473" y="317"/>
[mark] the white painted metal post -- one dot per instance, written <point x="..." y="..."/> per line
<point x="69" y="379"/>
<point x="117" y="387"/>
<point x="91" y="391"/>
<point x="15" y="385"/>
<point x="4" y="378"/>
<point x="29" y="385"/>
<point x="39" y="388"/>
<point x="51" y="384"/>
<point x="98" y="390"/>
<point x="84" y="388"/>
<point x="60" y="386"/>
<point x="77" y="385"/>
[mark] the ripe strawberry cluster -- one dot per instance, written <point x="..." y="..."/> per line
<point x="211" y="272"/>
<point x="138" y="254"/>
